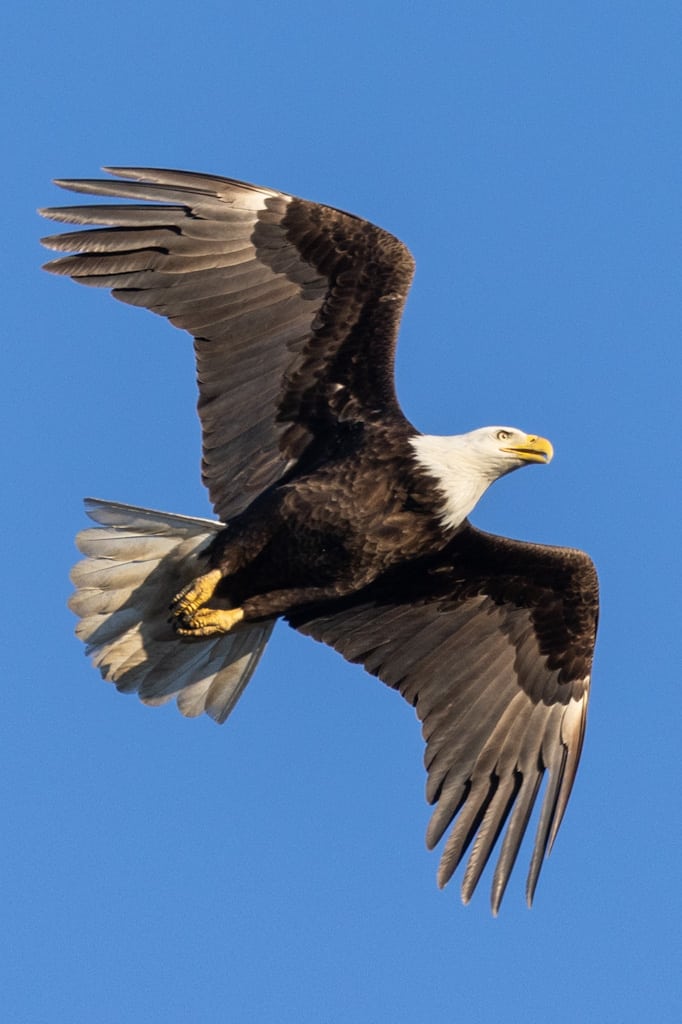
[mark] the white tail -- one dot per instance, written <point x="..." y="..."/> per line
<point x="136" y="560"/>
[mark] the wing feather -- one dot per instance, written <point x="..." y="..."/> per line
<point x="264" y="282"/>
<point x="492" y="643"/>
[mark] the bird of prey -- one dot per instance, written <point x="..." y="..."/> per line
<point x="335" y="513"/>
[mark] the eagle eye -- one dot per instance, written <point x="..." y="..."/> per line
<point x="503" y="435"/>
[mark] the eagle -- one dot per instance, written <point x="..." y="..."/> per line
<point x="334" y="512"/>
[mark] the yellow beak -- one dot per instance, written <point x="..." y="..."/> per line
<point x="534" y="449"/>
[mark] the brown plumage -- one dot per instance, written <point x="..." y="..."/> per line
<point x="339" y="515"/>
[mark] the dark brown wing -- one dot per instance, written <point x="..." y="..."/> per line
<point x="294" y="307"/>
<point x="492" y="643"/>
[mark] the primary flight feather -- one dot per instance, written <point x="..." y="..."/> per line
<point x="335" y="512"/>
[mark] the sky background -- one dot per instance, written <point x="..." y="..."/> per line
<point x="163" y="870"/>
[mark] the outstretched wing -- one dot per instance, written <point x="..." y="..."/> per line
<point x="492" y="643"/>
<point x="294" y="308"/>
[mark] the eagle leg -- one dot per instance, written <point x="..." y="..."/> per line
<point x="208" y="621"/>
<point x="195" y="594"/>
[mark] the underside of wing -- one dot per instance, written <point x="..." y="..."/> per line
<point x="294" y="309"/>
<point x="492" y="644"/>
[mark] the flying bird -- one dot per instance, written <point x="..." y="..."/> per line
<point x="335" y="513"/>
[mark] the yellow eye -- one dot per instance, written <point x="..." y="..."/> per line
<point x="503" y="435"/>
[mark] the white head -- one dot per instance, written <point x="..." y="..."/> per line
<point x="464" y="465"/>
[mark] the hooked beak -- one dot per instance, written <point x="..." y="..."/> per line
<point x="534" y="449"/>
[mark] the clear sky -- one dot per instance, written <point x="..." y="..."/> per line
<point x="274" y="869"/>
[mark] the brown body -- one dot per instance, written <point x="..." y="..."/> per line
<point x="329" y="532"/>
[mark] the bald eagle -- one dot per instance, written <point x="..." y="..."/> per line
<point x="335" y="513"/>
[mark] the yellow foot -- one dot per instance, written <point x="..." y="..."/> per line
<point x="208" y="621"/>
<point x="196" y="593"/>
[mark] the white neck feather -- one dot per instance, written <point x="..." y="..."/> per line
<point x="460" y="475"/>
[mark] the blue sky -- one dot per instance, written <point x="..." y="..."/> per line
<point x="274" y="869"/>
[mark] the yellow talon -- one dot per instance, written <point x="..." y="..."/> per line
<point x="209" y="621"/>
<point x="196" y="593"/>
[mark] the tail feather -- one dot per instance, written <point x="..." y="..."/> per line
<point x="135" y="560"/>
